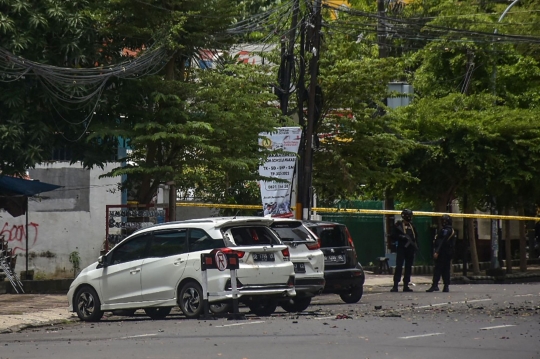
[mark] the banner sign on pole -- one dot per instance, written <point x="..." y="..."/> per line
<point x="276" y="196"/>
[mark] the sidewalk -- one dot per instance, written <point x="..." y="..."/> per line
<point x="19" y="311"/>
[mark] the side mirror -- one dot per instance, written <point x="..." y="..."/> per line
<point x="102" y="262"/>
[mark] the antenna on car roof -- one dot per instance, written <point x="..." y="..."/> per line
<point x="236" y="214"/>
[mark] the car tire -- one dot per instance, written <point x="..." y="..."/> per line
<point x="157" y="313"/>
<point x="297" y="304"/>
<point x="87" y="304"/>
<point x="353" y="296"/>
<point x="221" y="308"/>
<point x="190" y="300"/>
<point x="263" y="307"/>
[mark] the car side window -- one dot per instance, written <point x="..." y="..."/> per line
<point x="199" y="240"/>
<point x="168" y="243"/>
<point x="131" y="250"/>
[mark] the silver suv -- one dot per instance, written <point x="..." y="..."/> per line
<point x="308" y="260"/>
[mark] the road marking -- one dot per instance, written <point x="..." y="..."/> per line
<point x="237" y="324"/>
<point x="334" y="317"/>
<point x="421" y="336"/>
<point x="524" y="295"/>
<point x="139" y="336"/>
<point x="498" y="327"/>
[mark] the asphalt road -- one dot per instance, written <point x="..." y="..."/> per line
<point x="472" y="321"/>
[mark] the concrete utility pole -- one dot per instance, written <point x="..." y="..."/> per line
<point x="381" y="30"/>
<point x="495" y="233"/>
<point x="383" y="53"/>
<point x="301" y="88"/>
<point x="287" y="61"/>
<point x="315" y="39"/>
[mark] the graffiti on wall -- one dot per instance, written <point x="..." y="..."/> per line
<point x="15" y="234"/>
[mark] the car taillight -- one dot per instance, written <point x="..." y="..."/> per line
<point x="290" y="282"/>
<point x="240" y="254"/>
<point x="314" y="246"/>
<point x="286" y="254"/>
<point x="350" y="240"/>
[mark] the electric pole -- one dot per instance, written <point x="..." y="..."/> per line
<point x="314" y="47"/>
<point x="287" y="61"/>
<point x="383" y="53"/>
<point x="300" y="90"/>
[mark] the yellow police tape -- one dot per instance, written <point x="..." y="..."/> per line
<point x="364" y="211"/>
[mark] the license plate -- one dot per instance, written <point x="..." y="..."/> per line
<point x="264" y="257"/>
<point x="299" y="267"/>
<point x="335" y="258"/>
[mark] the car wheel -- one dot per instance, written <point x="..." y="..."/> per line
<point x="190" y="300"/>
<point x="221" y="308"/>
<point x="88" y="305"/>
<point x="157" y="312"/>
<point x="263" y="307"/>
<point x="296" y="304"/>
<point x="353" y="296"/>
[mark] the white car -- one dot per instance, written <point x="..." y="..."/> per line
<point x="308" y="260"/>
<point x="159" y="267"/>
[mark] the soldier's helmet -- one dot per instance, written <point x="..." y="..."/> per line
<point x="446" y="220"/>
<point x="407" y="214"/>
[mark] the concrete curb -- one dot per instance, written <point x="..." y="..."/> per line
<point x="52" y="286"/>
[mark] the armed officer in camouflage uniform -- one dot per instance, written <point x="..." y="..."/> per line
<point x="404" y="234"/>
<point x="443" y="251"/>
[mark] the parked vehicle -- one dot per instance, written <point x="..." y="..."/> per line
<point x="159" y="267"/>
<point x="308" y="260"/>
<point x="342" y="271"/>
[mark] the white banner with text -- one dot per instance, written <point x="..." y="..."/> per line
<point x="276" y="196"/>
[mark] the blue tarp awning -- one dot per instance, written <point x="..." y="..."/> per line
<point x="19" y="186"/>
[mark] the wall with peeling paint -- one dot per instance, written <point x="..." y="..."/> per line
<point x="68" y="219"/>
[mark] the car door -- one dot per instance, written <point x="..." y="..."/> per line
<point x="201" y="242"/>
<point x="164" y="266"/>
<point x="121" y="282"/>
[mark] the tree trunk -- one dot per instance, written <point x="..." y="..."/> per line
<point x="170" y="76"/>
<point x="507" y="243"/>
<point x="389" y="219"/>
<point x="522" y="243"/>
<point x="472" y="241"/>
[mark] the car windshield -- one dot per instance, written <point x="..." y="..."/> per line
<point x="250" y="236"/>
<point x="332" y="236"/>
<point x="292" y="231"/>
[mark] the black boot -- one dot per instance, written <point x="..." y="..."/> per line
<point x="394" y="288"/>
<point x="433" y="288"/>
<point x="406" y="288"/>
<point x="445" y="289"/>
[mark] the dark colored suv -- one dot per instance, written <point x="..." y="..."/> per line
<point x="342" y="271"/>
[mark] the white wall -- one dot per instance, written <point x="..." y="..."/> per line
<point x="68" y="219"/>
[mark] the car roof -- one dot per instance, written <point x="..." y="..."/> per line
<point x="214" y="222"/>
<point x="324" y="223"/>
<point x="277" y="219"/>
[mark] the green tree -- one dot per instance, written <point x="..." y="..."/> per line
<point x="54" y="33"/>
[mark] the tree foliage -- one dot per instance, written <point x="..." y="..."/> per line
<point x="32" y="123"/>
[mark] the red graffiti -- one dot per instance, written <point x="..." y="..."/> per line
<point x="16" y="235"/>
